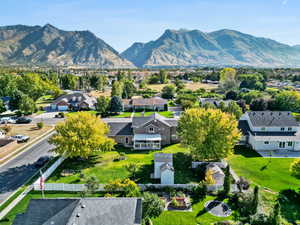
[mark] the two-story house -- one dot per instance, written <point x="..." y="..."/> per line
<point x="143" y="133"/>
<point x="270" y="130"/>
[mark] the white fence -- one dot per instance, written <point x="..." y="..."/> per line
<point x="223" y="164"/>
<point x="50" y="170"/>
<point x="82" y="187"/>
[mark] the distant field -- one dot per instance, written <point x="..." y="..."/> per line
<point x="97" y="94"/>
<point x="191" y="86"/>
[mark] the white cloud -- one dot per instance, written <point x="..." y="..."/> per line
<point x="284" y="2"/>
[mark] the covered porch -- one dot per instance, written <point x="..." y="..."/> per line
<point x="146" y="141"/>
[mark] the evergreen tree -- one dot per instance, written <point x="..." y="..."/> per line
<point x="116" y="105"/>
<point x="227" y="181"/>
<point x="255" y="201"/>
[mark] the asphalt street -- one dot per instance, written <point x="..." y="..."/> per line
<point x="18" y="170"/>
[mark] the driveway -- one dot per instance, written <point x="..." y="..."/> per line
<point x="47" y="117"/>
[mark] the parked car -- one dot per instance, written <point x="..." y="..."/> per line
<point x="20" y="138"/>
<point x="42" y="161"/>
<point x="5" y="120"/>
<point x="23" y="120"/>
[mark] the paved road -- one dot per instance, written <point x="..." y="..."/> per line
<point x="17" y="171"/>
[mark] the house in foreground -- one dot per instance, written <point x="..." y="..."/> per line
<point x="74" y="101"/>
<point x="88" y="211"/>
<point x="163" y="168"/>
<point x="270" y="130"/>
<point x="138" y="104"/>
<point x="144" y="133"/>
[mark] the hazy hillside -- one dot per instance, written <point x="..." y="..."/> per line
<point x="48" y="45"/>
<point x="223" y="47"/>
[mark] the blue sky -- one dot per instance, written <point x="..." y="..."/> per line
<point x="122" y="22"/>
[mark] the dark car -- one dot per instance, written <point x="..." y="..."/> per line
<point x="23" y="120"/>
<point x="42" y="161"/>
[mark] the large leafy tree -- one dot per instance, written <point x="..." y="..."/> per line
<point x="228" y="80"/>
<point x="295" y="168"/>
<point x="117" y="88"/>
<point x="27" y="105"/>
<point x="102" y="105"/>
<point x="252" y="81"/>
<point x="210" y="134"/>
<point x="168" y="92"/>
<point x="287" y="101"/>
<point x="163" y="76"/>
<point x="128" y="89"/>
<point x="81" y="135"/>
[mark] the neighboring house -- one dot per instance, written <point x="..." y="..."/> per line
<point x="215" y="102"/>
<point x="6" y="100"/>
<point x="155" y="104"/>
<point x="145" y="133"/>
<point x="267" y="130"/>
<point x="74" y="101"/>
<point x="216" y="173"/>
<point x="163" y="168"/>
<point x="86" y="211"/>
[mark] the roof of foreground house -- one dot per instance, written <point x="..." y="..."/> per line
<point x="140" y="121"/>
<point x="272" y="118"/>
<point x="91" y="211"/>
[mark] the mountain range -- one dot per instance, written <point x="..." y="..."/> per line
<point x="219" y="48"/>
<point x="48" y="45"/>
<point x="51" y="46"/>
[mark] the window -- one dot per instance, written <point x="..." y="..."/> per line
<point x="126" y="140"/>
<point x="281" y="144"/>
<point x="266" y="142"/>
<point x="151" y="130"/>
<point x="290" y="143"/>
<point x="282" y="129"/>
<point x="289" y="129"/>
<point x="263" y="128"/>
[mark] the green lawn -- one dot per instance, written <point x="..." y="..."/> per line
<point x="106" y="168"/>
<point x="123" y="115"/>
<point x="272" y="173"/>
<point x="198" y="216"/>
<point x="167" y="114"/>
<point x="21" y="207"/>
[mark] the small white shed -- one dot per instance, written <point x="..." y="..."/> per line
<point x="163" y="168"/>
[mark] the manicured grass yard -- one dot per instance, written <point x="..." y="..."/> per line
<point x="272" y="173"/>
<point x="106" y="169"/>
<point x="123" y="115"/>
<point x="198" y="216"/>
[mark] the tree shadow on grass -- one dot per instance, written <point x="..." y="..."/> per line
<point x="183" y="171"/>
<point x="76" y="165"/>
<point x="143" y="174"/>
<point x="246" y="152"/>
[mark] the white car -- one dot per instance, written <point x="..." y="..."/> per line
<point x="20" y="138"/>
<point x="4" y="120"/>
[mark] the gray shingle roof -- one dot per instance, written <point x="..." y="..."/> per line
<point x="140" y="121"/>
<point x="89" y="211"/>
<point x="120" y="128"/>
<point x="272" y="119"/>
<point x="79" y="97"/>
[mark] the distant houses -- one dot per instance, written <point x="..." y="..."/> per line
<point x="74" y="101"/>
<point x="270" y="130"/>
<point x="138" y="104"/>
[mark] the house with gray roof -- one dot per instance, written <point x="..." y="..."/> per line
<point x="136" y="104"/>
<point x="74" y="101"/>
<point x="270" y="130"/>
<point x="145" y="133"/>
<point x="89" y="211"/>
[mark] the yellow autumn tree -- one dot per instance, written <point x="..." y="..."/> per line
<point x="81" y="135"/>
<point x="209" y="179"/>
<point x="228" y="80"/>
<point x="210" y="134"/>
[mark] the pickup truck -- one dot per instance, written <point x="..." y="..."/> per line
<point x="20" y="138"/>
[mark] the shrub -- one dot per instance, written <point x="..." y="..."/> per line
<point x="200" y="191"/>
<point x="243" y="184"/>
<point x="153" y="206"/>
<point x="40" y="125"/>
<point x="148" y="221"/>
<point x="61" y="114"/>
<point x="128" y="187"/>
<point x="295" y="168"/>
